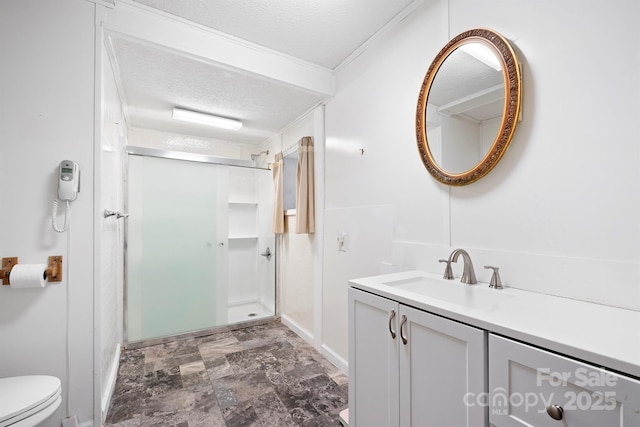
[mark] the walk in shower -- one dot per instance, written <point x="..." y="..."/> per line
<point x="200" y="250"/>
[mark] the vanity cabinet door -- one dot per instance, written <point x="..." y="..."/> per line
<point x="529" y="387"/>
<point x="373" y="360"/>
<point x="427" y="381"/>
<point x="442" y="372"/>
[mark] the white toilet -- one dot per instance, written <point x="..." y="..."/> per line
<point x="27" y="401"/>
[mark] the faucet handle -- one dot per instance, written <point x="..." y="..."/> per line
<point x="448" y="272"/>
<point x="495" y="282"/>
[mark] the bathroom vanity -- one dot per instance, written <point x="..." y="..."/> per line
<point x="427" y="351"/>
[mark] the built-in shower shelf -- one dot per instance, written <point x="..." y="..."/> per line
<point x="243" y="220"/>
<point x="242" y="237"/>
<point x="231" y="203"/>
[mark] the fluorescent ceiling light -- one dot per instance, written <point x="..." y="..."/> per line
<point x="483" y="54"/>
<point x="206" y="119"/>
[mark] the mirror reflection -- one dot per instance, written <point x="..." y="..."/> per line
<point x="468" y="107"/>
<point x="465" y="107"/>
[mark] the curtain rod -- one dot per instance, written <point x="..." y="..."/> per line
<point x="291" y="149"/>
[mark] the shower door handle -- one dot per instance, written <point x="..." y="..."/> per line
<point x="267" y="254"/>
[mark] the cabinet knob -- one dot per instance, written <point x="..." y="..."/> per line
<point x="555" y="411"/>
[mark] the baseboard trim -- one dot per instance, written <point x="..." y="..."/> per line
<point x="334" y="358"/>
<point x="327" y="352"/>
<point x="303" y="333"/>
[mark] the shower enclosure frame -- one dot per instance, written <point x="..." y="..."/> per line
<point x="190" y="157"/>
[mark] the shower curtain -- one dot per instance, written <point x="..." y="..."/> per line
<point x="278" y="204"/>
<point x="305" y="188"/>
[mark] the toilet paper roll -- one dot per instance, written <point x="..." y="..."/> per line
<point x="28" y="276"/>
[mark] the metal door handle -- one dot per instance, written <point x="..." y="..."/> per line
<point x="404" y="339"/>
<point x="392" y="316"/>
<point x="267" y="254"/>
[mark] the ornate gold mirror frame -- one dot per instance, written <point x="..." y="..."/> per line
<point x="511" y="72"/>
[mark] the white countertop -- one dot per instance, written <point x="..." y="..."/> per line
<point x="602" y="335"/>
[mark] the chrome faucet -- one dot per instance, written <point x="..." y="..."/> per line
<point x="468" y="274"/>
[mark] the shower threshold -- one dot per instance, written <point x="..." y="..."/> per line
<point x="252" y="321"/>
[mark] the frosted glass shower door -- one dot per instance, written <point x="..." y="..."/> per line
<point x="177" y="247"/>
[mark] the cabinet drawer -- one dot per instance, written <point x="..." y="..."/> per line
<point x="524" y="381"/>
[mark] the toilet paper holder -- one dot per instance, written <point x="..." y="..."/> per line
<point x="53" y="272"/>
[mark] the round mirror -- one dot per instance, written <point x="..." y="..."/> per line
<point x="468" y="107"/>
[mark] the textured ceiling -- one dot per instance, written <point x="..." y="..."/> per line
<point x="153" y="80"/>
<point x="323" y="32"/>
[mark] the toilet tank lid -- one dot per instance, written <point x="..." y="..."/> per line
<point x="20" y="394"/>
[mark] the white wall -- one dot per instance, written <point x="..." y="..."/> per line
<point x="560" y="213"/>
<point x="296" y="252"/>
<point x="47" y="103"/>
<point x="362" y="230"/>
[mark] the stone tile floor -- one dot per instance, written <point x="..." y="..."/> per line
<point x="262" y="375"/>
